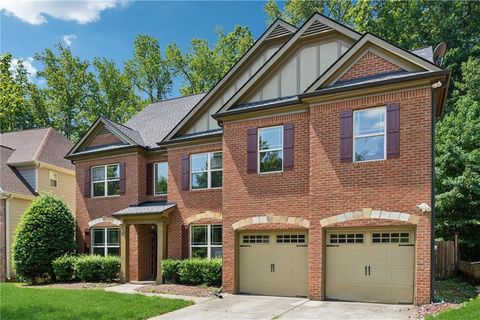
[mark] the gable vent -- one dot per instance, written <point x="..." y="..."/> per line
<point x="315" y="28"/>
<point x="104" y="130"/>
<point x="279" y="31"/>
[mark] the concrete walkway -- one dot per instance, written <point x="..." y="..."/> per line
<point x="131" y="288"/>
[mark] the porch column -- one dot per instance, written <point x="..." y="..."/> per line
<point x="124" y="252"/>
<point x="161" y="242"/>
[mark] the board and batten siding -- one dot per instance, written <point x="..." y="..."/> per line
<point x="65" y="188"/>
<point x="28" y="173"/>
<point x="206" y="122"/>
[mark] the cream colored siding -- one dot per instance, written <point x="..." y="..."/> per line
<point x="15" y="210"/>
<point x="65" y="185"/>
<point x="308" y="66"/>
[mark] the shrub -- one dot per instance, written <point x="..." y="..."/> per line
<point x="96" y="268"/>
<point x="45" y="232"/>
<point x="63" y="267"/>
<point x="193" y="271"/>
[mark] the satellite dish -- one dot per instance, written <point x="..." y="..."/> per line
<point x="439" y="52"/>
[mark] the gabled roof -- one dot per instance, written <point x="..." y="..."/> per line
<point x="43" y="145"/>
<point x="336" y="70"/>
<point x="316" y="24"/>
<point x="11" y="181"/>
<point x="278" y="29"/>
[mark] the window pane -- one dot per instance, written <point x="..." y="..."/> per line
<point x="199" y="252"/>
<point x="98" y="173"/>
<point x="199" y="235"/>
<point x="370" y="121"/>
<point x="161" y="176"/>
<point x="270" y="138"/>
<point x="113" y="188"/>
<point x="216" y="160"/>
<point x="113" y="171"/>
<point x="199" y="180"/>
<point x="100" y="251"/>
<point x="271" y="161"/>
<point x="113" y="236"/>
<point x="199" y="162"/>
<point x="216" y="235"/>
<point x="99" y="189"/>
<point x="370" y="148"/>
<point x="113" y="251"/>
<point x="98" y="237"/>
<point x="216" y="179"/>
<point x="216" y="252"/>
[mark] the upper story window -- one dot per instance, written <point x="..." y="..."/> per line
<point x="161" y="178"/>
<point x="270" y="149"/>
<point x="53" y="178"/>
<point x="106" y="241"/>
<point x="206" y="170"/>
<point x="369" y="130"/>
<point x="106" y="180"/>
<point x="206" y="241"/>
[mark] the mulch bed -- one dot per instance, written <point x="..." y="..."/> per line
<point x="434" y="308"/>
<point x="75" y="285"/>
<point x="179" y="289"/>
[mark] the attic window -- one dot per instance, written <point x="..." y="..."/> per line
<point x="53" y="177"/>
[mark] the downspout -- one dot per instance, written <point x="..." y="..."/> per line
<point x="432" y="220"/>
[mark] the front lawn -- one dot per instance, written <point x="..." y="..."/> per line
<point x="42" y="303"/>
<point x="470" y="311"/>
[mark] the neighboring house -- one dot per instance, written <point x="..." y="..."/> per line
<point x="31" y="162"/>
<point x="308" y="168"/>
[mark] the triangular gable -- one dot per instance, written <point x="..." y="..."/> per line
<point x="317" y="24"/>
<point x="278" y="31"/>
<point x="370" y="56"/>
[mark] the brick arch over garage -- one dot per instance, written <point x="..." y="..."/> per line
<point x="104" y="220"/>
<point x="204" y="215"/>
<point x="271" y="219"/>
<point x="367" y="213"/>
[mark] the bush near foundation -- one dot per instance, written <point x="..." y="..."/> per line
<point x="193" y="271"/>
<point x="91" y="268"/>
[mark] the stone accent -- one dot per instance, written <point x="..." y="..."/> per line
<point x="204" y="215"/>
<point x="108" y="220"/>
<point x="368" y="213"/>
<point x="271" y="219"/>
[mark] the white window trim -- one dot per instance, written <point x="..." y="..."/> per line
<point x="155" y="177"/>
<point x="55" y="174"/>
<point x="384" y="134"/>
<point x="209" y="245"/>
<point x="105" y="246"/>
<point x="266" y="150"/>
<point x="209" y="171"/>
<point x="105" y="181"/>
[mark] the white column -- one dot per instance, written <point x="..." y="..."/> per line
<point x="124" y="252"/>
<point x="161" y="242"/>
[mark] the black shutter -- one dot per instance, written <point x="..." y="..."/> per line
<point x="149" y="179"/>
<point x="346" y="136"/>
<point x="87" y="183"/>
<point x="393" y="130"/>
<point x="185" y="173"/>
<point x="252" y="150"/>
<point x="288" y="146"/>
<point x="185" y="242"/>
<point x="122" y="178"/>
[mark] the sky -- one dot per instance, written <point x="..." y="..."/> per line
<point x="107" y="28"/>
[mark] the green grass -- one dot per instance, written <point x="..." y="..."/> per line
<point x="454" y="290"/>
<point x="42" y="303"/>
<point x="470" y="311"/>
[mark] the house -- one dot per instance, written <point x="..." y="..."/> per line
<point x="308" y="168"/>
<point x="31" y="162"/>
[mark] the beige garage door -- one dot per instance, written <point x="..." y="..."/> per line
<point x="273" y="263"/>
<point x="370" y="265"/>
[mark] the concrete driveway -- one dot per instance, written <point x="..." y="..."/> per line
<point x="267" y="308"/>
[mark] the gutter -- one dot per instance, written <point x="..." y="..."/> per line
<point x="267" y="106"/>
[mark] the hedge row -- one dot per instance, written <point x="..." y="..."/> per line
<point x="193" y="271"/>
<point x="86" y="268"/>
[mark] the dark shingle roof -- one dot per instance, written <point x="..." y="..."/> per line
<point x="146" y="208"/>
<point x="156" y="120"/>
<point x="129" y="132"/>
<point x="10" y="179"/>
<point x="425" y="53"/>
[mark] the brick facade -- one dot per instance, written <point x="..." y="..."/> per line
<point x="368" y="65"/>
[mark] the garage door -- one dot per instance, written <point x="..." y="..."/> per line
<point x="370" y="265"/>
<point x="273" y="263"/>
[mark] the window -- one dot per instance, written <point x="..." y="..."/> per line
<point x="206" y="170"/>
<point x="270" y="149"/>
<point x="291" y="238"/>
<point x="206" y="241"/>
<point x="106" y="180"/>
<point x="346" y="238"/>
<point x="393" y="237"/>
<point x="369" y="134"/>
<point x="106" y="241"/>
<point x="161" y="178"/>
<point x="256" y="239"/>
<point x="53" y="177"/>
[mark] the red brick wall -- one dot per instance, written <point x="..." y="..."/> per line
<point x="103" y="139"/>
<point x="370" y="64"/>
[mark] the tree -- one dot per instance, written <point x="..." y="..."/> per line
<point x="69" y="90"/>
<point x="45" y="232"/>
<point x="148" y="70"/>
<point x="458" y="165"/>
<point x="202" y="67"/>
<point x="114" y="94"/>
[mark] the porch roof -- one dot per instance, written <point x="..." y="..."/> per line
<point x="149" y="207"/>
